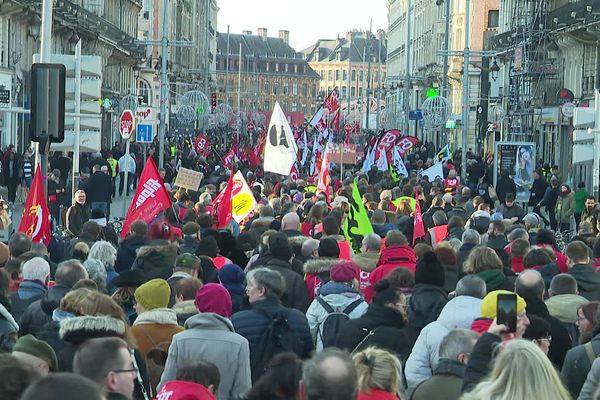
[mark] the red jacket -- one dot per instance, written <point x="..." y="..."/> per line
<point x="399" y="256"/>
<point x="517" y="264"/>
<point x="377" y="394"/>
<point x="561" y="259"/>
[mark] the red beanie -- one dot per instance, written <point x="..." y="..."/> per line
<point x="214" y="298"/>
<point x="181" y="390"/>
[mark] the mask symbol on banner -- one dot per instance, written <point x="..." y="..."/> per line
<point x="277" y="137"/>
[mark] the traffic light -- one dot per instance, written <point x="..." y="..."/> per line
<point x="47" y="103"/>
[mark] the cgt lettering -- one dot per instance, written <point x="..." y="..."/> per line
<point x="149" y="190"/>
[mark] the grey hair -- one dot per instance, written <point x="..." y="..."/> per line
<point x="323" y="382"/>
<point x="471" y="285"/>
<point x="96" y="271"/>
<point x="456" y="342"/>
<point x="269" y="280"/>
<point x="205" y="198"/>
<point x="455" y="244"/>
<point x="372" y="241"/>
<point x="439" y="218"/>
<point x="563" y="284"/>
<point x="309" y="247"/>
<point x="105" y="252"/>
<point x="518" y="233"/>
<point x="471" y="236"/>
<point x="37" y="268"/>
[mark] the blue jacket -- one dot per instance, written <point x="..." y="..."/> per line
<point x="252" y="323"/>
<point x="31" y="288"/>
<point x="126" y="252"/>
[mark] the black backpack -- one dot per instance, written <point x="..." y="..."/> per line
<point x="328" y="330"/>
<point x="277" y="338"/>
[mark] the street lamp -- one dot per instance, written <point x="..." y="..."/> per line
<point x="494" y="70"/>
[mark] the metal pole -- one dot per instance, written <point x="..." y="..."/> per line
<point x="379" y="84"/>
<point x="227" y="70"/>
<point x="407" y="80"/>
<point x="369" y="77"/>
<point x="125" y="176"/>
<point x="350" y="82"/>
<point x="42" y="148"/>
<point x="362" y="99"/>
<point x="75" y="181"/>
<point x="164" y="84"/>
<point x="206" y="46"/>
<point x="239" y="90"/>
<point x="465" y="91"/>
<point x="446" y="48"/>
<point x="596" y="164"/>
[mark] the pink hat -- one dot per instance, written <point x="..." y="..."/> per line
<point x="344" y="271"/>
<point x="214" y="298"/>
<point x="182" y="390"/>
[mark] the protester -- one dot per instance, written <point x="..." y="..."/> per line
<point x="379" y="374"/>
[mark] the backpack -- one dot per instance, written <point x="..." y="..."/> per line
<point x="277" y="338"/>
<point x="328" y="330"/>
<point x="156" y="359"/>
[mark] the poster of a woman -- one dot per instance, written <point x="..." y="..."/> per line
<point x="524" y="166"/>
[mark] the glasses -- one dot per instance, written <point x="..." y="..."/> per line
<point x="124" y="371"/>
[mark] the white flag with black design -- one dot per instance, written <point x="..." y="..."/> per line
<point x="280" y="148"/>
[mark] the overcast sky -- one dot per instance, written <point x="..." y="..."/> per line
<point x="307" y="20"/>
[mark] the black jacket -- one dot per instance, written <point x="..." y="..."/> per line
<point x="77" y="215"/>
<point x="425" y="305"/>
<point x="296" y="293"/>
<point x="463" y="253"/>
<point x="39" y="313"/>
<point x="189" y="245"/>
<point x="99" y="188"/>
<point x="561" y="341"/>
<point x="156" y="261"/>
<point x="389" y="332"/>
<point x="537" y="191"/>
<point x="577" y="365"/>
<point x="428" y="216"/>
<point x="480" y="362"/>
<point x="588" y="281"/>
<point x="126" y="252"/>
<point x="504" y="186"/>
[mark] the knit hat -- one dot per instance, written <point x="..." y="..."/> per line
<point x="532" y="219"/>
<point x="497" y="216"/>
<point x="153" y="294"/>
<point x="280" y="247"/>
<point x="190" y="229"/>
<point x="129" y="278"/>
<point x="328" y="247"/>
<point x="37" y="348"/>
<point x="56" y="172"/>
<point x="183" y="390"/>
<point x="344" y="271"/>
<point x="489" y="304"/>
<point x="214" y="298"/>
<point x="187" y="260"/>
<point x="338" y="201"/>
<point x="232" y="277"/>
<point x="430" y="270"/>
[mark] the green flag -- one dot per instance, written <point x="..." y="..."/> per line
<point x="357" y="224"/>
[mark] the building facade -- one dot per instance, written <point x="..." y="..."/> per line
<point x="254" y="71"/>
<point x="355" y="64"/>
<point x="107" y="29"/>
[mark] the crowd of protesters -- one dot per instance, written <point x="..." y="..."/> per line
<point x="286" y="305"/>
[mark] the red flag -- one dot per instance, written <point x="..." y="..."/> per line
<point x="230" y="157"/>
<point x="35" y="221"/>
<point x="324" y="179"/>
<point x="150" y="199"/>
<point x="262" y="140"/>
<point x="294" y="174"/>
<point x="201" y="145"/>
<point x="222" y="205"/>
<point x="405" y="144"/>
<point x="418" y="226"/>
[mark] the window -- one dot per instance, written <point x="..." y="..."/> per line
<point x="267" y="87"/>
<point x="345" y="75"/>
<point x="352" y="91"/>
<point x="144" y="92"/>
<point x="353" y="75"/>
<point x="344" y="91"/>
<point x="361" y="76"/>
<point x="330" y="74"/>
<point x="337" y="74"/>
<point x="304" y="89"/>
<point x="295" y="88"/>
<point x="493" y="18"/>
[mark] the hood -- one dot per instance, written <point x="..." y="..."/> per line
<point x="161" y="316"/>
<point x="4" y="314"/>
<point x="564" y="306"/>
<point x="332" y="287"/>
<point x="366" y="261"/>
<point x="165" y="250"/>
<point x="481" y="325"/>
<point x="77" y="330"/>
<point x="297" y="241"/>
<point x="338" y="238"/>
<point x="318" y="265"/>
<point x="51" y="301"/>
<point x="399" y="254"/>
<point x="185" y="307"/>
<point x="494" y="278"/>
<point x="209" y="322"/>
<point x="460" y="312"/>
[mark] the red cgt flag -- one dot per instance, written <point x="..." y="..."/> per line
<point x="222" y="205"/>
<point x="324" y="178"/>
<point x="418" y="226"/>
<point x="35" y="221"/>
<point x="151" y="197"/>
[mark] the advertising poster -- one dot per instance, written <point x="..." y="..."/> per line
<point x="518" y="158"/>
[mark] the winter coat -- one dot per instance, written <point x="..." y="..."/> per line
<point x="459" y="211"/>
<point x="154" y="327"/>
<point x="461" y="256"/>
<point x="537" y="191"/>
<point x="399" y="256"/>
<point x="561" y="341"/>
<point x="547" y="271"/>
<point x="445" y="384"/>
<point x="211" y="337"/>
<point x="367" y="263"/>
<point x="99" y="188"/>
<point x="39" y="313"/>
<point x="504" y="186"/>
<point x="425" y="305"/>
<point x="312" y="269"/>
<point x="77" y="215"/>
<point x="383" y="229"/>
<point x="480" y="221"/>
<point x="189" y="245"/>
<point x="511" y="212"/>
<point x="377" y="394"/>
<point x="577" y="365"/>
<point x="338" y="296"/>
<point x="8" y="330"/>
<point x="388" y="329"/>
<point x="156" y="261"/>
<point x="565" y="306"/>
<point x="460" y="312"/>
<point x="593" y="217"/>
<point x="428" y="216"/>
<point x="480" y="361"/>
<point x="172" y="281"/>
<point x="296" y="294"/>
<point x="495" y="279"/>
<point x="455" y="232"/>
<point x="591" y="382"/>
<point x="588" y="280"/>
<point x="126" y="252"/>
<point x="185" y="310"/>
<point x="565" y="208"/>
